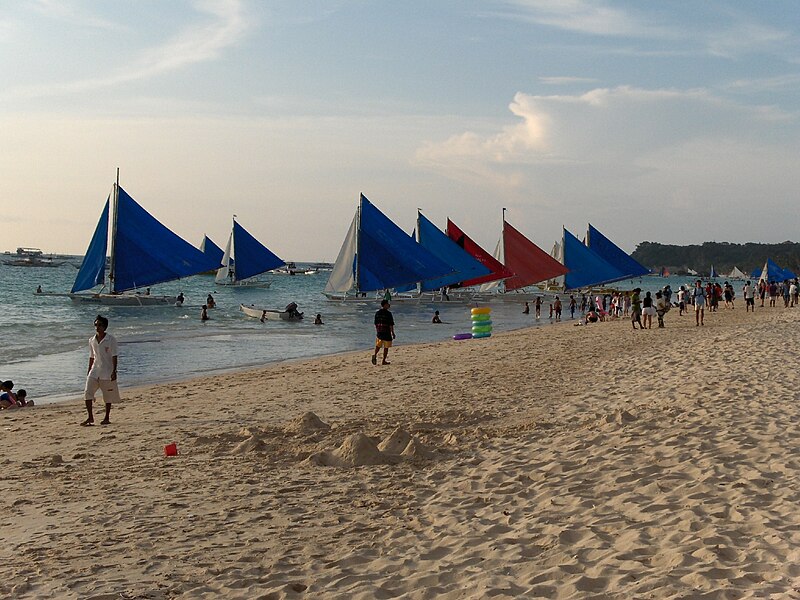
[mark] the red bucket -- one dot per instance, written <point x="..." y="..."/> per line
<point x="171" y="449"/>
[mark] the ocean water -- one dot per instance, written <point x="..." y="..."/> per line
<point x="45" y="339"/>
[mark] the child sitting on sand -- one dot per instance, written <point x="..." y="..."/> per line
<point x="8" y="399"/>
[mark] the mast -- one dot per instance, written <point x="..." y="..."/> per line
<point x="115" y="206"/>
<point x="358" y="241"/>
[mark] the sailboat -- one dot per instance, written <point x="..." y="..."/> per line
<point x="143" y="253"/>
<point x="736" y="274"/>
<point x="613" y="254"/>
<point x="713" y="274"/>
<point x="772" y="272"/>
<point x="214" y="252"/>
<point x="377" y="255"/>
<point x="464" y="265"/>
<point x="244" y="258"/>
<point x="528" y="263"/>
<point x="586" y="267"/>
<point x="497" y="270"/>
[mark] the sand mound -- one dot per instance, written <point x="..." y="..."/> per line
<point x="618" y="417"/>
<point x="396" y="442"/>
<point x="416" y="450"/>
<point x="357" y="450"/>
<point x="307" y="423"/>
<point x="251" y="444"/>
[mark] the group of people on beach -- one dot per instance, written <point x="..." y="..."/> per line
<point x="10" y="399"/>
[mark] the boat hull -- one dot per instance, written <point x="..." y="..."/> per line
<point x="270" y="314"/>
<point x="123" y="299"/>
<point x="255" y="284"/>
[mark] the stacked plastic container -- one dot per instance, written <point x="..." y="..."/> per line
<point x="481" y="322"/>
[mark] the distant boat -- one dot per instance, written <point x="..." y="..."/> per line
<point x="713" y="274"/>
<point x="245" y="258"/>
<point x="736" y="274"/>
<point x="143" y="253"/>
<point x="772" y="272"/>
<point x="377" y="255"/>
<point x="692" y="272"/>
<point x="31" y="257"/>
<point x="497" y="270"/>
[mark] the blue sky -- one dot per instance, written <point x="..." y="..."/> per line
<point x="674" y="122"/>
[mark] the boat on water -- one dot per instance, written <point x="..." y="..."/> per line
<point x="525" y="261"/>
<point x="464" y="265"/>
<point x="587" y="269"/>
<point x="214" y="252"/>
<point x="31" y="257"/>
<point x="244" y="259"/>
<point x="143" y="253"/>
<point x="377" y="256"/>
<point x="291" y="268"/>
<point x="736" y="273"/>
<point x="290" y="313"/>
<point x="713" y="274"/>
<point x="614" y="255"/>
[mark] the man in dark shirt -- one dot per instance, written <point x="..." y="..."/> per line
<point x="384" y="330"/>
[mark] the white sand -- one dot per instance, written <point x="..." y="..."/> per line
<point x="561" y="462"/>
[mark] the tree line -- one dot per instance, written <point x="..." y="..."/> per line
<point x="723" y="255"/>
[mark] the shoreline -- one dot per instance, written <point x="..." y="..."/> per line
<point x="565" y="461"/>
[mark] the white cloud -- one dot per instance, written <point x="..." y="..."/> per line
<point x="195" y="44"/>
<point x="565" y="80"/>
<point x="589" y="17"/>
<point x="746" y="37"/>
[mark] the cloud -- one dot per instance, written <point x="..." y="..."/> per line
<point x="746" y="37"/>
<point x="586" y="17"/>
<point x="564" y="80"/>
<point x="195" y="44"/>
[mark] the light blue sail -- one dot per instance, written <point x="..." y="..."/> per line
<point x="464" y="265"/>
<point x="251" y="256"/>
<point x="586" y="267"/>
<point x="146" y="252"/>
<point x="93" y="267"/>
<point x="613" y="254"/>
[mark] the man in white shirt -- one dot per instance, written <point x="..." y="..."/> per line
<point x="749" y="297"/>
<point x="102" y="373"/>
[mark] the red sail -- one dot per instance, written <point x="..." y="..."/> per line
<point x="498" y="271"/>
<point x="529" y="263"/>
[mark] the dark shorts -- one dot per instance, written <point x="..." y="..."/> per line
<point x="751" y="301"/>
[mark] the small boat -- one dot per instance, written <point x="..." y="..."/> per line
<point x="143" y="253"/>
<point x="245" y="258"/>
<point x="290" y="313"/>
<point x="31" y="257"/>
<point x="289" y="268"/>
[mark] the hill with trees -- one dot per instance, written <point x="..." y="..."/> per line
<point x="723" y="255"/>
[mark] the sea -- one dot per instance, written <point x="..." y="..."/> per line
<point x="45" y="338"/>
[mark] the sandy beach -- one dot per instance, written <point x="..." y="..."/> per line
<point x="557" y="462"/>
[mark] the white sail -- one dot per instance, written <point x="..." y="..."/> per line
<point x="737" y="274"/>
<point x="342" y="278"/>
<point x="499" y="255"/>
<point x="224" y="272"/>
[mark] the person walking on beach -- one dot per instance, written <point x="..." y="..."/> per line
<point x="557" y="307"/>
<point x="573" y="304"/>
<point x="648" y="310"/>
<point x="699" y="299"/>
<point x="636" y="309"/>
<point x="538" y="307"/>
<point x="661" y="308"/>
<point x="749" y="297"/>
<point x="384" y="330"/>
<point x="102" y="373"/>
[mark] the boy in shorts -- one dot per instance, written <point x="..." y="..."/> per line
<point x="102" y="373"/>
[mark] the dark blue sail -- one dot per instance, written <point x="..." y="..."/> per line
<point x="146" y="252"/>
<point x="586" y="267"/>
<point x="614" y="254"/>
<point x="388" y="257"/>
<point x="252" y="257"/>
<point x="93" y="267"/>
<point x="210" y="249"/>
<point x="464" y="265"/>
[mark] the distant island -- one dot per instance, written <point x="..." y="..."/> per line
<point x="723" y="255"/>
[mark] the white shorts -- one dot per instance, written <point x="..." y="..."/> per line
<point x="698" y="306"/>
<point x="107" y="386"/>
<point x="649" y="310"/>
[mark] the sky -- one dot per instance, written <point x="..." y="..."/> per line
<point x="674" y="122"/>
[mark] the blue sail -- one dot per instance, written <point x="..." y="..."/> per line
<point x="146" y="252"/>
<point x="93" y="267"/>
<point x="772" y="272"/>
<point x="586" y="267"/>
<point x="210" y="249"/>
<point x="252" y="257"/>
<point x="614" y="254"/>
<point x="464" y="265"/>
<point x="388" y="257"/>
